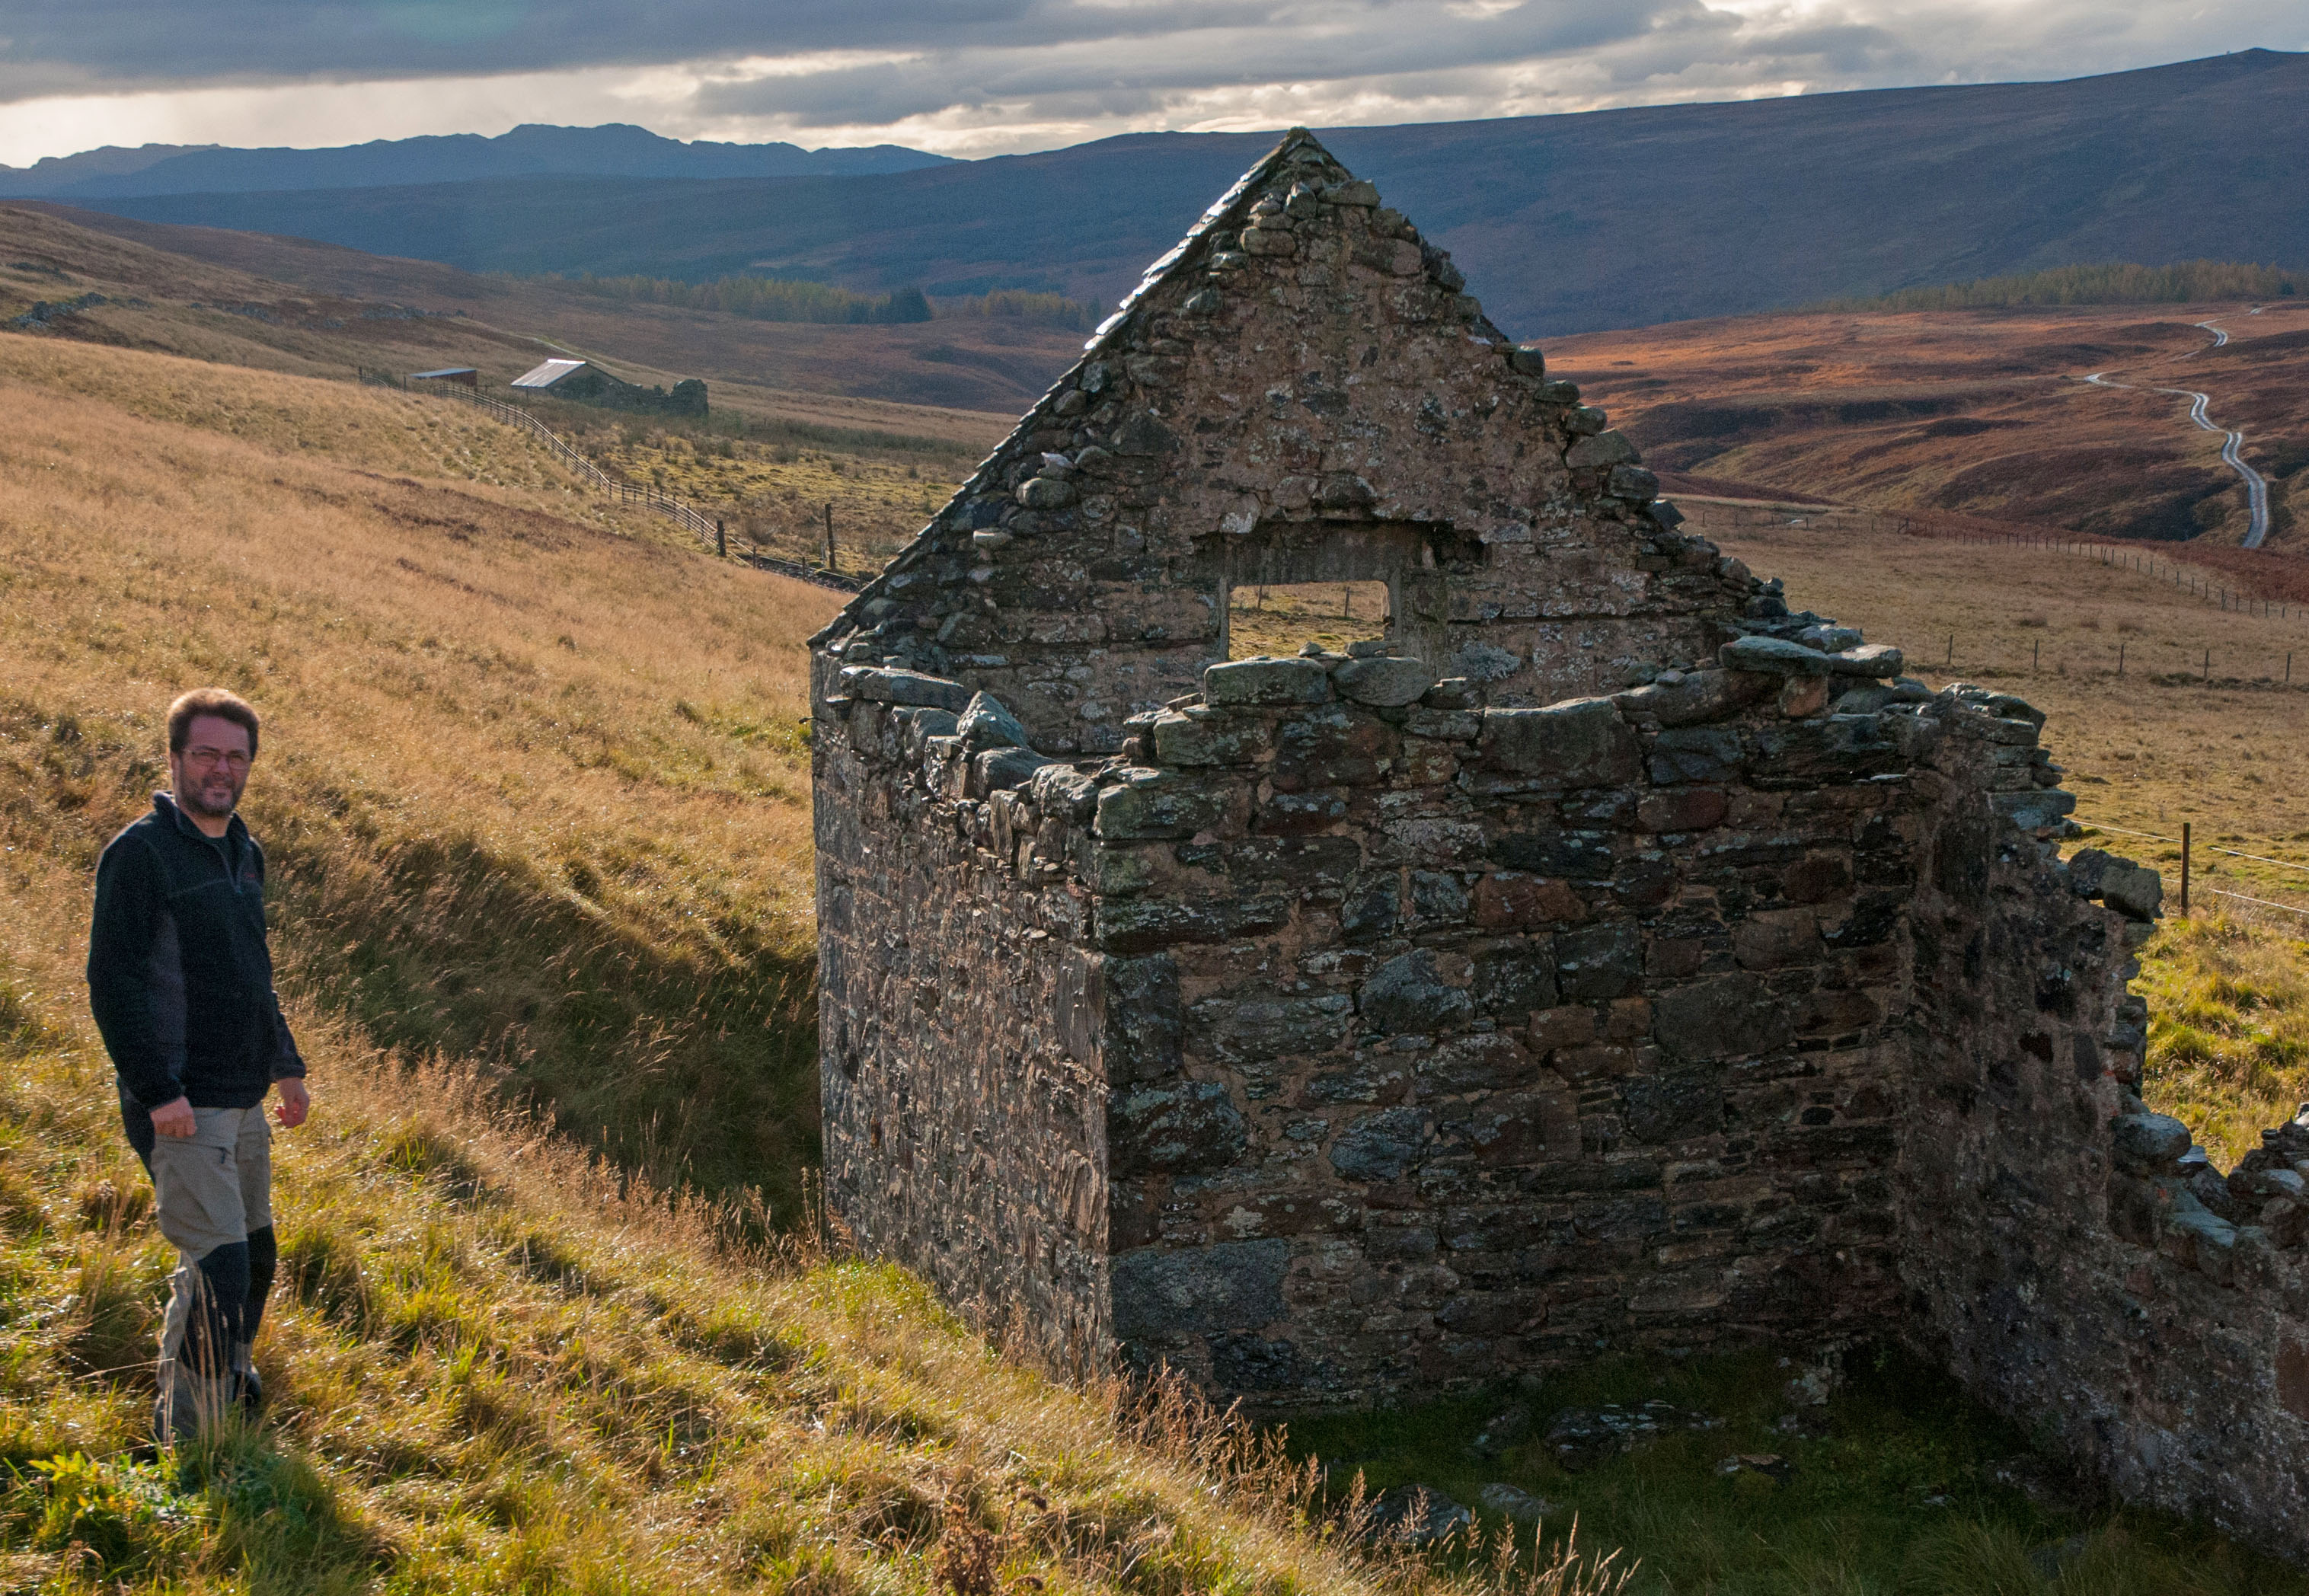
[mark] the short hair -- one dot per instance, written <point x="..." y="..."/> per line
<point x="209" y="701"/>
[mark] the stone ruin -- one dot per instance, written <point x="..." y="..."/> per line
<point x="1604" y="958"/>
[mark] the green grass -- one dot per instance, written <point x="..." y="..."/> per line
<point x="498" y="1367"/>
<point x="2228" y="1026"/>
<point x="1893" y="1486"/>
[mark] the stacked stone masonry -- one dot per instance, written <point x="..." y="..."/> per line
<point x="1606" y="957"/>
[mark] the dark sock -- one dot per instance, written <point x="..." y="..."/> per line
<point x="218" y="1310"/>
<point x="263" y="1256"/>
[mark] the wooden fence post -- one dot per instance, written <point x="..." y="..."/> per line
<point x="830" y="563"/>
<point x="2185" y="866"/>
<point x="720" y="539"/>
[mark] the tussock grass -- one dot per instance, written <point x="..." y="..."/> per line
<point x="2228" y="1026"/>
<point x="498" y="1364"/>
<point x="534" y="778"/>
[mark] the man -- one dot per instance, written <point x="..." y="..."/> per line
<point x="181" y="983"/>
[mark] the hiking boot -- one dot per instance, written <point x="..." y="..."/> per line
<point x="188" y="1402"/>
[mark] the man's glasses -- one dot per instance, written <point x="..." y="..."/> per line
<point x="232" y="758"/>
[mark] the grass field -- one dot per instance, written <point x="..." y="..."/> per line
<point x="535" y="789"/>
<point x="535" y="778"/>
<point x="533" y="785"/>
<point x="497" y="1366"/>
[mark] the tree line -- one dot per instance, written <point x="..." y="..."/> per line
<point x="2115" y="283"/>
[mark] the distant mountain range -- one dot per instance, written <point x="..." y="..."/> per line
<point x="1562" y="223"/>
<point x="531" y="151"/>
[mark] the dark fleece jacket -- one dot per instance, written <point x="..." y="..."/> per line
<point x="178" y="972"/>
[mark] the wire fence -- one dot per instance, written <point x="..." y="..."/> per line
<point x="2241" y="667"/>
<point x="2126" y="557"/>
<point x="710" y="531"/>
<point x="2188" y="845"/>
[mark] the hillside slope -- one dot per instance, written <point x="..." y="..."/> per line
<point x="614" y="150"/>
<point x="535" y="780"/>
<point x="494" y="1367"/>
<point x="317" y="309"/>
<point x="1983" y="413"/>
<point x="1562" y="223"/>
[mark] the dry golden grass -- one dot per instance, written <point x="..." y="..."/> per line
<point x="534" y="773"/>
<point x="1280" y="620"/>
<point x="498" y="1364"/>
<point x="772" y="492"/>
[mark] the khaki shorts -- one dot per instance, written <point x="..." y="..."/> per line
<point x="215" y="1185"/>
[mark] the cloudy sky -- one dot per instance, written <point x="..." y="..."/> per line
<point x="979" y="77"/>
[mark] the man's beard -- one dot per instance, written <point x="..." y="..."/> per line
<point x="192" y="798"/>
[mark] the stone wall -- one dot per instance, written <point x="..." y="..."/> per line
<point x="1504" y="1035"/>
<point x="2070" y="1256"/>
<point x="1301" y="390"/>
<point x="963" y="1109"/>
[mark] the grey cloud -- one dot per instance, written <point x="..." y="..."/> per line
<point x="203" y="41"/>
<point x="1058" y="79"/>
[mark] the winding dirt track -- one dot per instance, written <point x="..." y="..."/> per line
<point x="2256" y="485"/>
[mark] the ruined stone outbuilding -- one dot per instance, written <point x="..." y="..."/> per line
<point x="1603" y="958"/>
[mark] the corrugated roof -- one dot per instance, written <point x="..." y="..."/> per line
<point x="455" y="371"/>
<point x="547" y="375"/>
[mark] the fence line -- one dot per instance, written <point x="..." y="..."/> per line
<point x="2141" y="560"/>
<point x="2257" y="858"/>
<point x="2232" y="853"/>
<point x="2193" y="580"/>
<point x="707" y="529"/>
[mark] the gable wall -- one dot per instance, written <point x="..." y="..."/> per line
<point x="1317" y="377"/>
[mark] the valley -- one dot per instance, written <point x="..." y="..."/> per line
<point x="558" y="1311"/>
<point x="1985" y="414"/>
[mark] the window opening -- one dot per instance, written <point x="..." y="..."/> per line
<point x="1283" y="617"/>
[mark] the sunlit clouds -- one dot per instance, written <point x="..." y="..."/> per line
<point x="974" y="77"/>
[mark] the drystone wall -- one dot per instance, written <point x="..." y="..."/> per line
<point x="963" y="1113"/>
<point x="1506" y="1034"/>
<point x="2068" y="1253"/>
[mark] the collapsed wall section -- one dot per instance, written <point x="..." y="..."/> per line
<point x="1499" y="1036"/>
<point x="2070" y="1256"/>
<point x="964" y="1102"/>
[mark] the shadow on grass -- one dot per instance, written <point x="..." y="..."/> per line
<point x="685" y="1048"/>
<point x="1895" y="1484"/>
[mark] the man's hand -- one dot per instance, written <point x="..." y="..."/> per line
<point x="294" y="1102"/>
<point x="174" y="1119"/>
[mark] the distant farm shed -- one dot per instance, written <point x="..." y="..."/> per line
<point x="463" y="376"/>
<point x="581" y="381"/>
